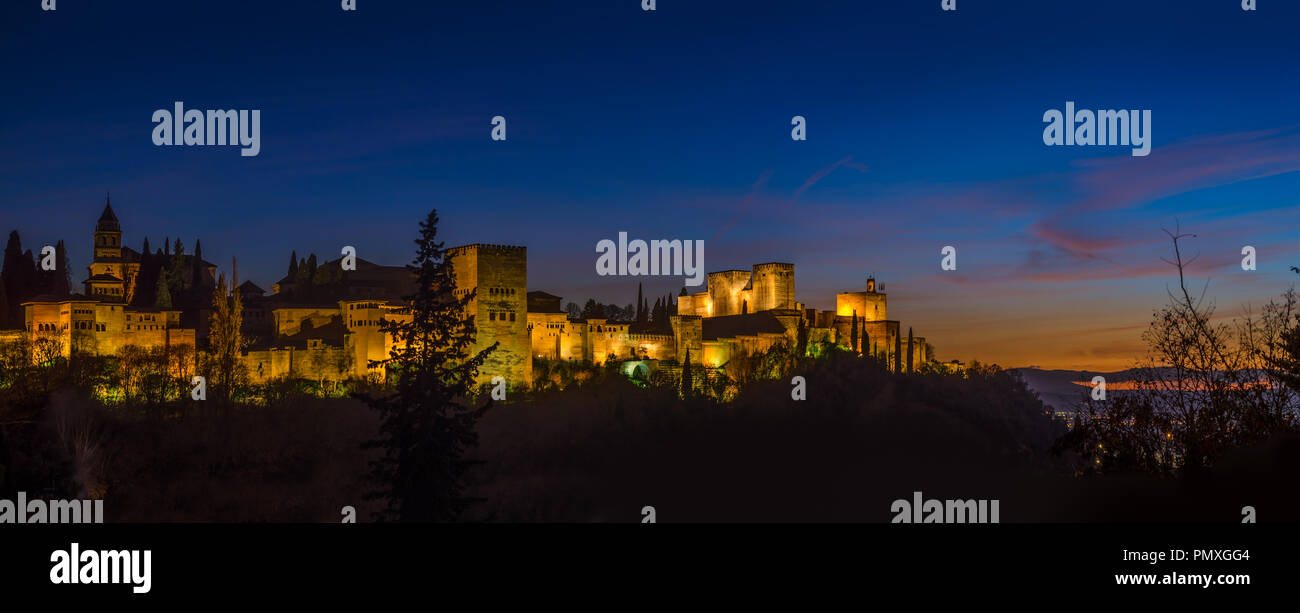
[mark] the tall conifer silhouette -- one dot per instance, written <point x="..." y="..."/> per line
<point x="428" y="422"/>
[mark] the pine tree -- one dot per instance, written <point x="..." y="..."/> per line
<point x="853" y="334"/>
<point x="866" y="342"/>
<point x="686" y="375"/>
<point x="427" y="424"/>
<point x="293" y="265"/>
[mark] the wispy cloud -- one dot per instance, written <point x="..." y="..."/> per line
<point x="845" y="162"/>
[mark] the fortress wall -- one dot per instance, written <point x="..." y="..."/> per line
<point x="607" y="339"/>
<point x="366" y="341"/>
<point x="688" y="334"/>
<point x="714" y="353"/>
<point x="697" y="304"/>
<point x="746" y="301"/>
<point x="882" y="335"/>
<point x="654" y="346"/>
<point x="684" y="306"/>
<point x="545" y="334"/>
<point x="573" y="342"/>
<point x="289" y="320"/>
<point x="266" y="364"/>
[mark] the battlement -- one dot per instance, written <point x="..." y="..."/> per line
<point x="487" y="248"/>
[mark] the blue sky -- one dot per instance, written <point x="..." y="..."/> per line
<point x="924" y="130"/>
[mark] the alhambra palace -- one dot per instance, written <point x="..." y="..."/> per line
<point x="291" y="334"/>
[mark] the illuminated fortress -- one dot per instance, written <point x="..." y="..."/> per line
<point x="301" y="331"/>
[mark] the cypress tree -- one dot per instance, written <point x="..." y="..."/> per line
<point x="177" y="274"/>
<point x="853" y="333"/>
<point x="162" y="297"/>
<point x="196" y="265"/>
<point x="11" y="273"/>
<point x="62" y="276"/>
<point x="686" y="375"/>
<point x="640" y="314"/>
<point x="898" y="353"/>
<point x="801" y="339"/>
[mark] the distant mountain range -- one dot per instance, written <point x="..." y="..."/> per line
<point x="1060" y="389"/>
<point x="1064" y="390"/>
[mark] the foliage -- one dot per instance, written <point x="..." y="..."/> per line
<point x="427" y="423"/>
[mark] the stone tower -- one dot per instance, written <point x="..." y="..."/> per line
<point x="773" y="287"/>
<point x="499" y="273"/>
<point x="108" y="234"/>
<point x="871" y="304"/>
<point x="110" y="275"/>
<point x="726" y="291"/>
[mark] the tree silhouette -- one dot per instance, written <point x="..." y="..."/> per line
<point x="898" y="353"/>
<point x="224" y="335"/>
<point x="428" y="423"/>
<point x="853" y="332"/>
<point x="162" y="296"/>
<point x="1205" y="388"/>
<point x="909" y="349"/>
<point x="686" y="375"/>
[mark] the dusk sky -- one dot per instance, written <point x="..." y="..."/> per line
<point x="924" y="130"/>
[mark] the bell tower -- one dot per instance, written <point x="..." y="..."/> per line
<point x="108" y="234"/>
<point x="111" y="276"/>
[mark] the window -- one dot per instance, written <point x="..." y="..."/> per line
<point x="512" y="316"/>
<point x="492" y="316"/>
